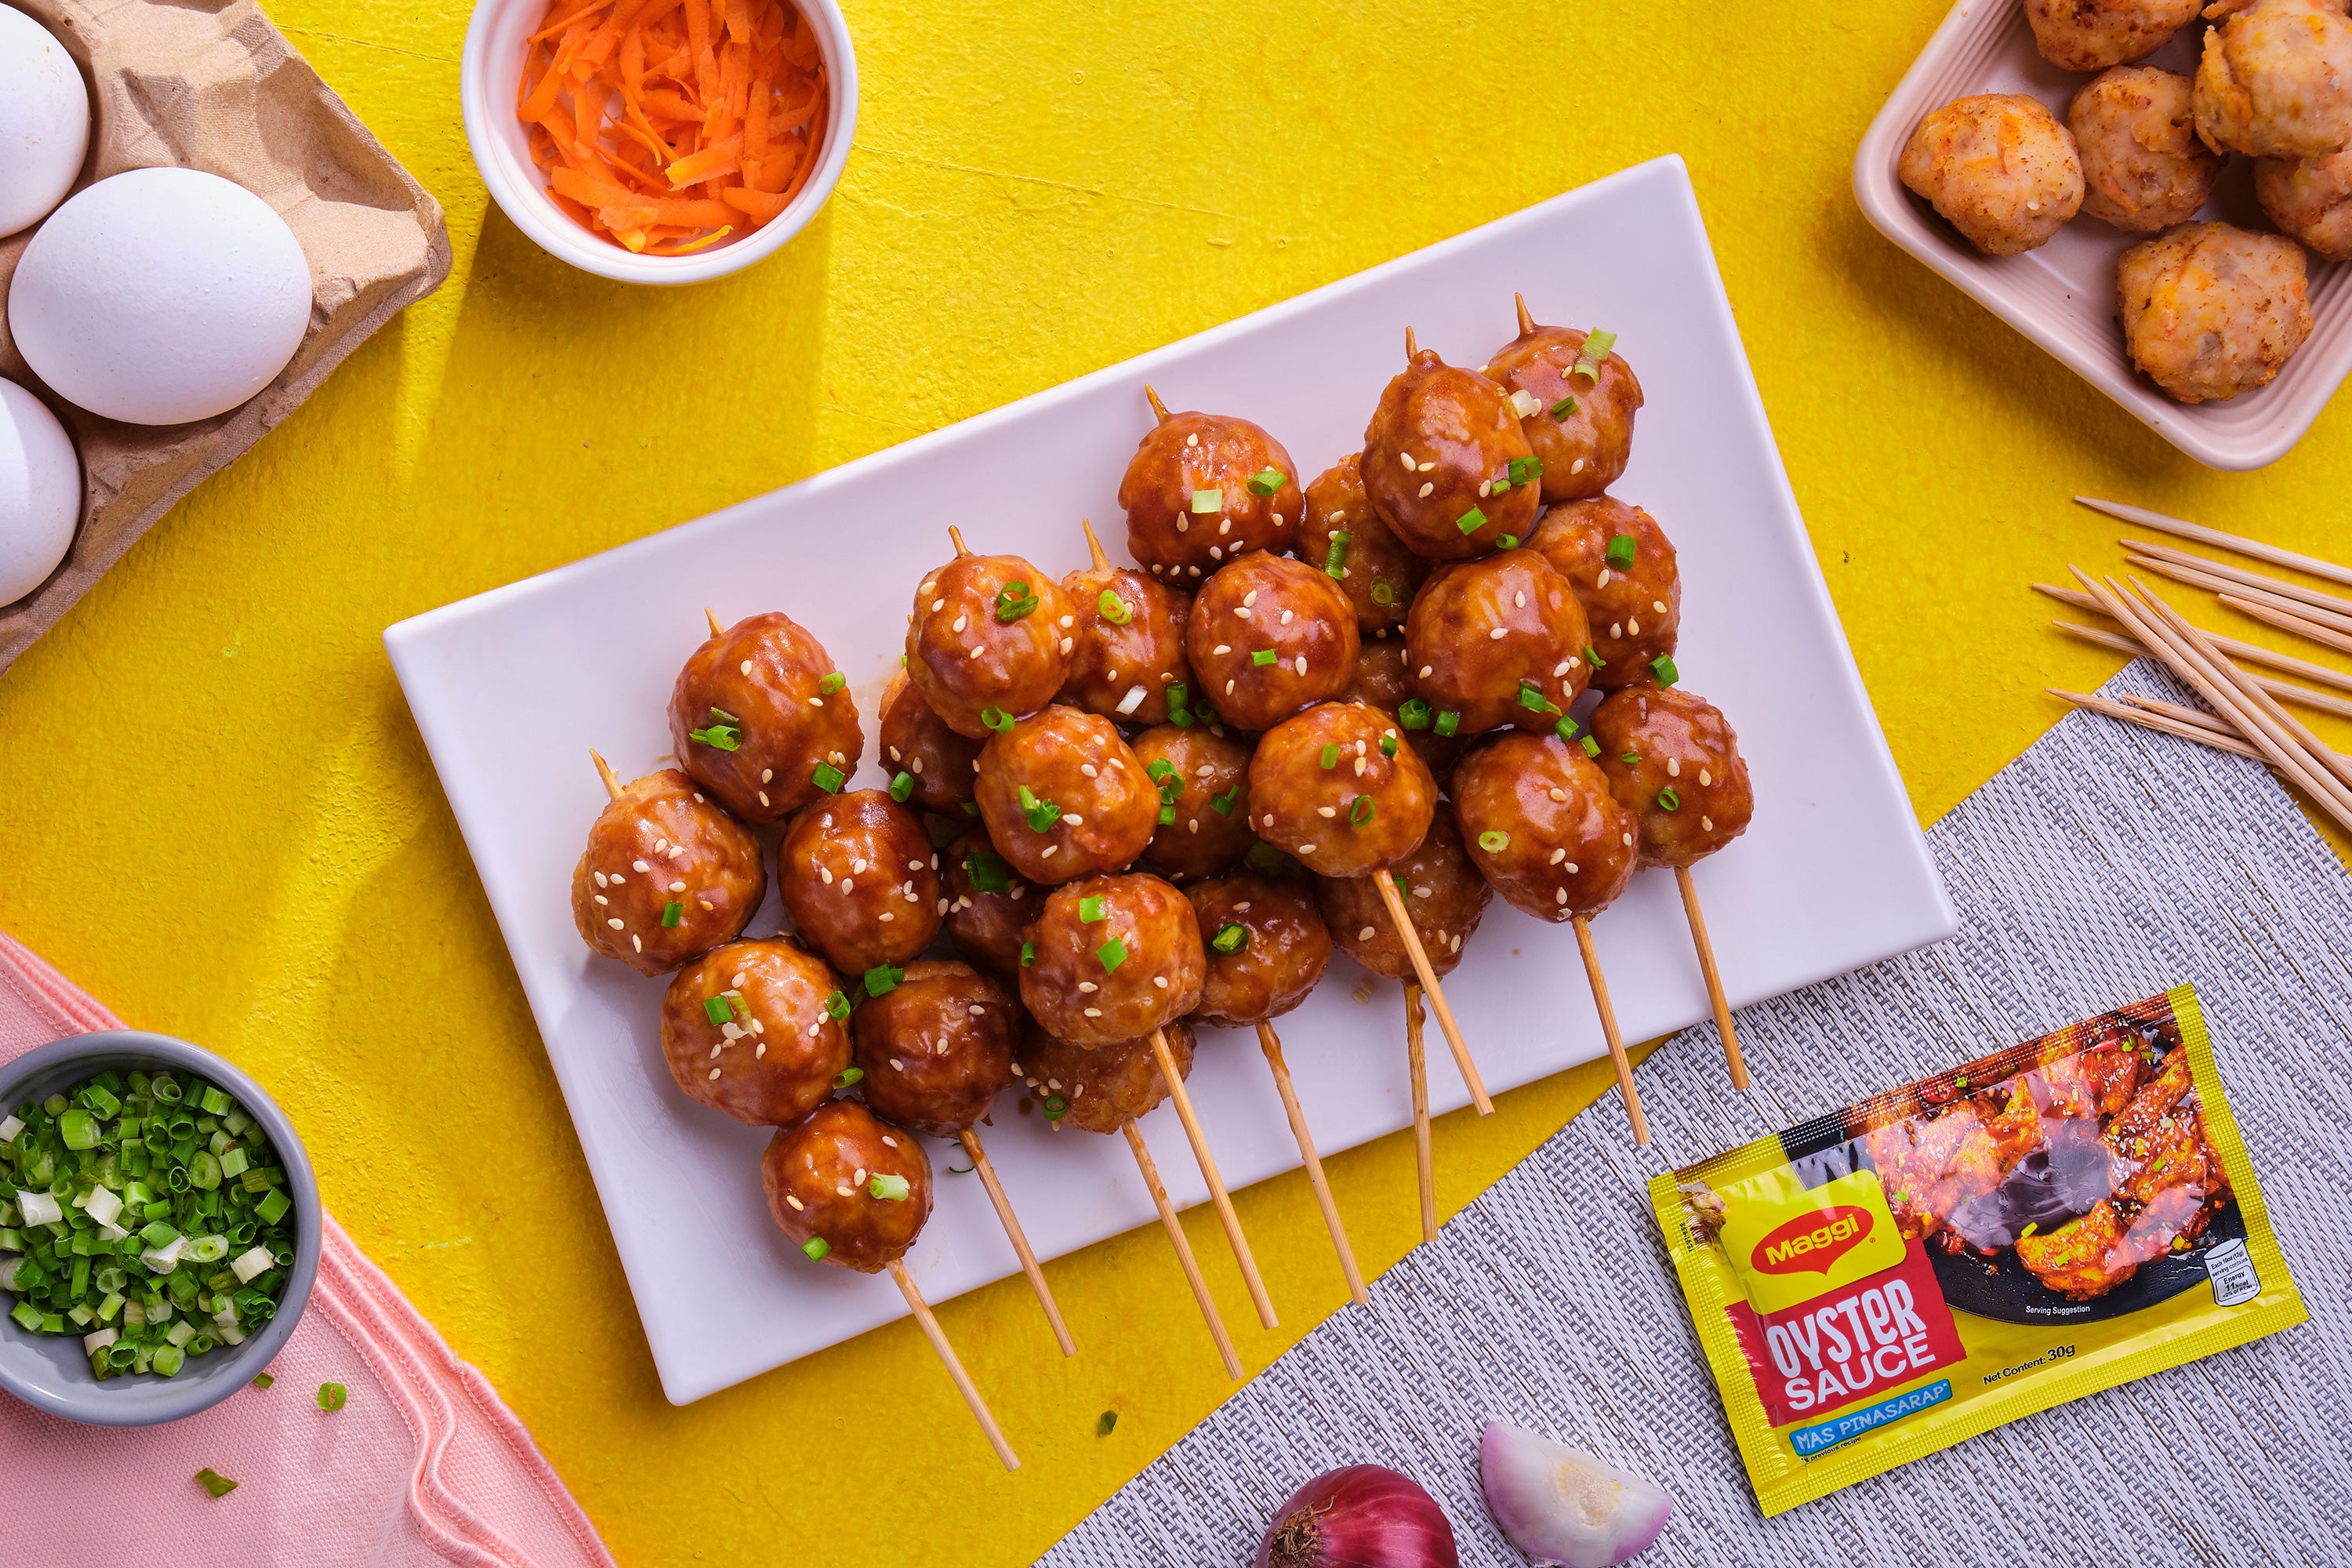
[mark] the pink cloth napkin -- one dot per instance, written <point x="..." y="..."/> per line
<point x="423" y="1465"/>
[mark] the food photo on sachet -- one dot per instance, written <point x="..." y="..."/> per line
<point x="1009" y="750"/>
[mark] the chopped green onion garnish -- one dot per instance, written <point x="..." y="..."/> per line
<point x="1041" y="814"/>
<point x="1362" y="811"/>
<point x="1669" y="800"/>
<point x="263" y="1381"/>
<point x="1404" y="888"/>
<point x="1013" y="601"/>
<point x="1222" y="804"/>
<point x="1028" y="953"/>
<point x="1591" y="746"/>
<point x="1471" y="522"/>
<point x="816" y="1246"/>
<point x="1565" y="729"/>
<point x="1167" y="814"/>
<point x="888" y="1188"/>
<point x="883" y="979"/>
<point x="1525" y="468"/>
<point x="1109" y="1419"/>
<point x="1208" y="502"/>
<point x="847" y="1075"/>
<point x="1112" y="953"/>
<point x="1230" y="938"/>
<point x="1494" y="841"/>
<point x="832" y="683"/>
<point x="716" y="1009"/>
<point x="1632" y="759"/>
<point x="672" y="912"/>
<point x="988" y="871"/>
<point x="1266" y="481"/>
<point x="1597" y="344"/>
<point x="725" y="737"/>
<point x="1264" y="657"/>
<point x="1055" y="1107"/>
<point x="724" y="717"/>
<point x="1592" y="657"/>
<point x="1388" y="745"/>
<point x="1564" y="408"/>
<point x="1335" y="560"/>
<point x="1622" y="549"/>
<point x="1383" y="595"/>
<point x="996" y="719"/>
<point x="1447" y="723"/>
<point x="331" y="1397"/>
<point x="1532" y="698"/>
<point x="1506" y="542"/>
<point x="902" y="784"/>
<point x="1162" y="770"/>
<point x="1092" y="908"/>
<point x="1114" y="608"/>
<point x="1663" y="670"/>
<point x="1413" y="713"/>
<point x="1330" y="753"/>
<point x="213" y="1481"/>
<point x="828" y="778"/>
<point x="837" y="1006"/>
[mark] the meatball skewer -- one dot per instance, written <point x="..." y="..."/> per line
<point x="666" y="874"/>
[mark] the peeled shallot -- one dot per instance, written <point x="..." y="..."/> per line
<point x="1562" y="1506"/>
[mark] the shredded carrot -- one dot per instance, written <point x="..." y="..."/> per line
<point x="668" y="126"/>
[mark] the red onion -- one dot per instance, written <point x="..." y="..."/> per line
<point x="1362" y="1517"/>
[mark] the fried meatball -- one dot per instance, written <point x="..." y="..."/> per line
<point x="1686" y="781"/>
<point x="757" y="712"/>
<point x="1268" y="637"/>
<point x="1267" y="946"/>
<point x="2143" y="167"/>
<point x="1583" y="428"/>
<point x="861" y="881"/>
<point x="1541" y="825"/>
<point x="1100" y="1089"/>
<point x="1336" y="787"/>
<point x="2276" y="78"/>
<point x="2310" y="198"/>
<point x="847" y="1187"/>
<point x="2211" y="311"/>
<point x="2000" y="167"/>
<point x="1342" y="532"/>
<point x="1063" y="797"/>
<point x="1498" y="641"/>
<point x="1209" y="822"/>
<point x="746" y="1030"/>
<point x="1202" y="489"/>
<point x="2092" y="35"/>
<point x="989" y="905"/>
<point x="939" y="763"/>
<point x="990" y="635"/>
<point x="1438" y="460"/>
<point x="937" y="1048"/>
<point x="1112" y="958"/>
<point x="1632" y="600"/>
<point x="1444" y="897"/>
<point x="1130" y="642"/>
<point x="665" y="875"/>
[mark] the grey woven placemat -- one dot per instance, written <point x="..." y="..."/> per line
<point x="2104" y="865"/>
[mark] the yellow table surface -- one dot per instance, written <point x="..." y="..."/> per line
<point x="216" y="814"/>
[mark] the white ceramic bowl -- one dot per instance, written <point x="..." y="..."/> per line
<point x="496" y="43"/>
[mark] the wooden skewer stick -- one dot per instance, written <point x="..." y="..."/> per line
<point x="2255" y="548"/>
<point x="1410" y="348"/>
<point x="1424" y="1165"/>
<point x="2287" y="621"/>
<point x="1716" y="999"/>
<point x="2335" y="604"/>
<point x="1270" y="1043"/>
<point x="2207" y="733"/>
<point x="712" y="616"/>
<point x="1019" y="1238"/>
<point x="1422" y="968"/>
<point x="1093" y="547"/>
<point x="1175" y="1229"/>
<point x="1221" y="1199"/>
<point x="2214" y="583"/>
<point x="956" y="535"/>
<point x="2326" y="702"/>
<point x="1157" y="407"/>
<point x="1527" y="323"/>
<point x="1608" y="1030"/>
<point x="605" y="771"/>
<point x="933" y="1332"/>
<point x="2262" y="703"/>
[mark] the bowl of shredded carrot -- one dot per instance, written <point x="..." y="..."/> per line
<point x="659" y="141"/>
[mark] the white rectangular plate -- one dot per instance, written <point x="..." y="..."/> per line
<point x="511" y="688"/>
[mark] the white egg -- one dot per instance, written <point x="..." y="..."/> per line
<point x="44" y="122"/>
<point x="160" y="295"/>
<point x="40" y="492"/>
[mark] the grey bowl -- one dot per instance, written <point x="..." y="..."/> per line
<point x="48" y="1372"/>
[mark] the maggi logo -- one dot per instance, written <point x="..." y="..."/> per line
<point x="1811" y="1243"/>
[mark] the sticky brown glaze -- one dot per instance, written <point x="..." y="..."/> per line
<point x="1107" y="808"/>
<point x="1121" y="670"/>
<point x="1440" y="442"/>
<point x="759" y="683"/>
<point x="966" y="662"/>
<point x="1684" y="781"/>
<point x="660" y="843"/>
<point x="940" y="763"/>
<point x="1540" y="822"/>
<point x="768" y="1051"/>
<point x="1284" y="947"/>
<point x="1208" y="770"/>
<point x="1444" y="895"/>
<point x="1584" y="446"/>
<point x="1635" y="614"/>
<point x="1377" y="573"/>
<point x="1100" y="1088"/>
<point x="1264" y="604"/>
<point x="937" y="1050"/>
<point x="989" y="904"/>
<point x="1082" y="994"/>
<point x="861" y="881"/>
<point x="1306" y="809"/>
<point x="1380" y="671"/>
<point x="1185" y="453"/>
<point x="1485" y="631"/>
<point x="818" y="1175"/>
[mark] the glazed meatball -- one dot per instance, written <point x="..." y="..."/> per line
<point x="1445" y="463"/>
<point x="2143" y="167"/>
<point x="1100" y="1089"/>
<point x="1130" y="642"/>
<point x="1632" y="591"/>
<point x="1444" y="897"/>
<point x="666" y="875"/>
<point x="1207" y="821"/>
<point x="937" y="1048"/>
<point x="2092" y="35"/>
<point x="759" y="716"/>
<point x="1110" y="958"/>
<point x="1345" y="536"/>
<point x="1498" y="641"/>
<point x="1267" y="946"/>
<point x="2211" y="311"/>
<point x="861" y="881"/>
<point x="2276" y="78"/>
<point x="746" y="1029"/>
<point x="1268" y="637"/>
<point x="847" y="1187"/>
<point x="1382" y="668"/>
<point x="1582" y="424"/>
<point x="1539" y="822"/>
<point x="1336" y="787"/>
<point x="2000" y="168"/>
<point x="939" y="764"/>
<point x="2310" y="198"/>
<point x="988" y="905"/>
<point x="990" y="635"/>
<point x="1202" y="489"/>
<point x="1063" y="797"/>
<point x="1673" y="760"/>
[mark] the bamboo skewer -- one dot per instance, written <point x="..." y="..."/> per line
<point x="2205" y="732"/>
<point x="1425" y="1164"/>
<point x="1422" y="968"/>
<point x="2326" y="702"/>
<point x="1019" y="1238"/>
<point x="712" y="616"/>
<point x="605" y="771"/>
<point x="955" y="537"/>
<point x="1608" y="1030"/>
<point x="2310" y="564"/>
<point x="2267" y="707"/>
<point x="1093" y="547"/>
<point x="1190" y="1265"/>
<point x="1716" y="999"/>
<point x="933" y="1332"/>
<point x="2286" y="620"/>
<point x="2335" y="604"/>
<point x="1271" y="1043"/>
<point x="1158" y="408"/>
<point x="1527" y="323"/>
<point x="1218" y="1197"/>
<point x="2232" y="589"/>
